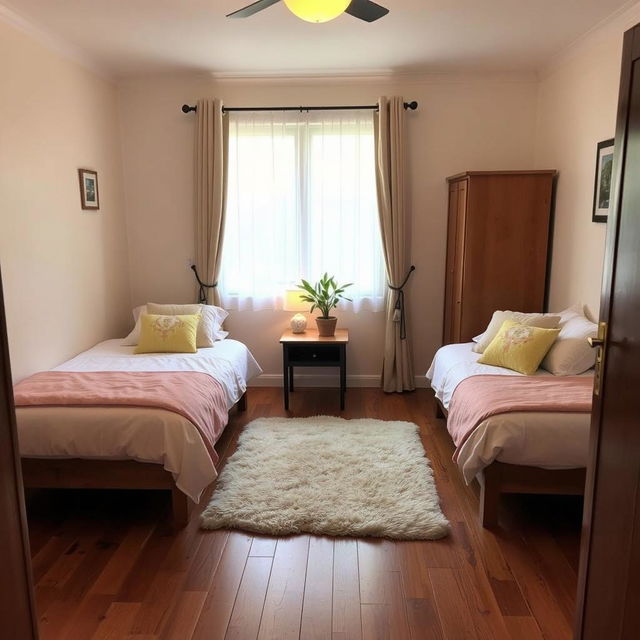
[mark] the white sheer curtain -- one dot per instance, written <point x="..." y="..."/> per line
<point x="301" y="200"/>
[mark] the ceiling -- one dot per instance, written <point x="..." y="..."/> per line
<point x="147" y="36"/>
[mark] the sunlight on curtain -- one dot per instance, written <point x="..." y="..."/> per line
<point x="301" y="201"/>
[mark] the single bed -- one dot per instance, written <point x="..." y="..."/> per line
<point x="515" y="452"/>
<point x="132" y="446"/>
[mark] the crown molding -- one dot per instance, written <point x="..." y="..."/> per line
<point x="52" y="41"/>
<point x="301" y="76"/>
<point x="373" y="77"/>
<point x="616" y="23"/>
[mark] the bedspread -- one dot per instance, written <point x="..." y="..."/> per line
<point x="196" y="396"/>
<point x="480" y="397"/>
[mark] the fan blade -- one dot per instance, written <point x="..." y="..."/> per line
<point x="252" y="8"/>
<point x="366" y="10"/>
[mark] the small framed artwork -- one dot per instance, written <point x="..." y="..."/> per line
<point x="602" y="186"/>
<point x="89" y="189"/>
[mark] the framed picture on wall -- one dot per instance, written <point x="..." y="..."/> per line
<point x="602" y="186"/>
<point x="89" y="189"/>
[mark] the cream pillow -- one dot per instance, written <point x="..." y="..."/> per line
<point x="571" y="354"/>
<point x="168" y="333"/>
<point x="519" y="347"/>
<point x="203" y="339"/>
<point x="541" y="320"/>
<point x="209" y="329"/>
<point x="134" y="337"/>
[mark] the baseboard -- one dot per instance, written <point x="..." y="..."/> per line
<point x="327" y="380"/>
<point x="421" y="382"/>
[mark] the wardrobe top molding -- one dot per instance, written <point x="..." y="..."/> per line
<point x="468" y="174"/>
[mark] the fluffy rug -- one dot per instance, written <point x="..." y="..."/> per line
<point x="329" y="476"/>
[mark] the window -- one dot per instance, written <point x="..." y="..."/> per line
<point x="301" y="200"/>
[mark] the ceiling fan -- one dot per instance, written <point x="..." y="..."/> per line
<point x="319" y="10"/>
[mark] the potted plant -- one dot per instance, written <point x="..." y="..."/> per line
<point x="324" y="295"/>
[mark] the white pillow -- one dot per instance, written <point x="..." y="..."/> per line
<point x="137" y="311"/>
<point x="209" y="328"/>
<point x="214" y="317"/>
<point x="574" y="311"/>
<point x="541" y="320"/>
<point x="571" y="354"/>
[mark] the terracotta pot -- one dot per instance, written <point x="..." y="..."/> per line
<point x="326" y="326"/>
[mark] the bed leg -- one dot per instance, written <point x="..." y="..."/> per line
<point x="489" y="498"/>
<point x="179" y="508"/>
<point x="242" y="403"/>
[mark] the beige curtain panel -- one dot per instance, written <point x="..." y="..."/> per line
<point x="397" y="368"/>
<point x="212" y="142"/>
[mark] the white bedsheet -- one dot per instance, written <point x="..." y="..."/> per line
<point x="539" y="439"/>
<point x="137" y="433"/>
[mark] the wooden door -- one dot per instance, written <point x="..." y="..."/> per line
<point x="455" y="261"/>
<point x="449" y="302"/>
<point x="609" y="584"/>
<point x="507" y="235"/>
<point x="460" y="259"/>
<point x="17" y="611"/>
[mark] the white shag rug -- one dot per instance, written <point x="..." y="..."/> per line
<point x="328" y="476"/>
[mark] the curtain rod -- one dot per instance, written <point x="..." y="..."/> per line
<point x="407" y="105"/>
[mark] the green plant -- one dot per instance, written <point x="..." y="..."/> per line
<point x="324" y="295"/>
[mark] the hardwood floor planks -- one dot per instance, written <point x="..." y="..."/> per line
<point x="282" y="613"/>
<point x="117" y="623"/>
<point x="181" y="624"/>
<point x="317" y="606"/>
<point x="262" y="546"/>
<point x="346" y="622"/>
<point x="218" y="606"/>
<point x="121" y="563"/>
<point x="106" y="565"/>
<point x="423" y="620"/>
<point x="247" y="611"/>
<point x="453" y="610"/>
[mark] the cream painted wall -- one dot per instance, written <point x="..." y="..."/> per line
<point x="578" y="97"/>
<point x="56" y="116"/>
<point x="65" y="272"/>
<point x="479" y="122"/>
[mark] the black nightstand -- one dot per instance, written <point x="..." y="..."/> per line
<point x="308" y="349"/>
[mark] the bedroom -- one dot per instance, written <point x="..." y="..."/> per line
<point x="102" y="90"/>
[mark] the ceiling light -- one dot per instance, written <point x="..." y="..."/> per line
<point x="317" y="10"/>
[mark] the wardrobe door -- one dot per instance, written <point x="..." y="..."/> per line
<point x="506" y="250"/>
<point x="459" y="261"/>
<point x="447" y="330"/>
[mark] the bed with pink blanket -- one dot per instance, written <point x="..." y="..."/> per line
<point x="523" y="433"/>
<point x="110" y="405"/>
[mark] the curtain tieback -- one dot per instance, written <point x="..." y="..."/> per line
<point x="202" y="292"/>
<point x="398" y="307"/>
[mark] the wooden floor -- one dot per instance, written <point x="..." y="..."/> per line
<point x="107" y="566"/>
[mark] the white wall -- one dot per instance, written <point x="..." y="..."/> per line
<point x="65" y="272"/>
<point x="578" y="97"/>
<point x="479" y="122"/>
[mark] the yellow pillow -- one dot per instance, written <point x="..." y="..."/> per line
<point x="167" y="334"/>
<point x="519" y="347"/>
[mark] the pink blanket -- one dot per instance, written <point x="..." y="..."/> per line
<point x="195" y="396"/>
<point x="480" y="397"/>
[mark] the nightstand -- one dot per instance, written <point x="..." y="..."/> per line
<point x="308" y="349"/>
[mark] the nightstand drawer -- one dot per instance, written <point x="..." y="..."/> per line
<point x="314" y="354"/>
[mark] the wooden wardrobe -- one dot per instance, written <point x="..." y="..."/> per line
<point x="497" y="245"/>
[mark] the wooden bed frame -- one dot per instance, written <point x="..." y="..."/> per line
<point x="77" y="473"/>
<point x="500" y="477"/>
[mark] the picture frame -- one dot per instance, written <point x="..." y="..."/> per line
<point x="89" y="197"/>
<point x="603" y="180"/>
